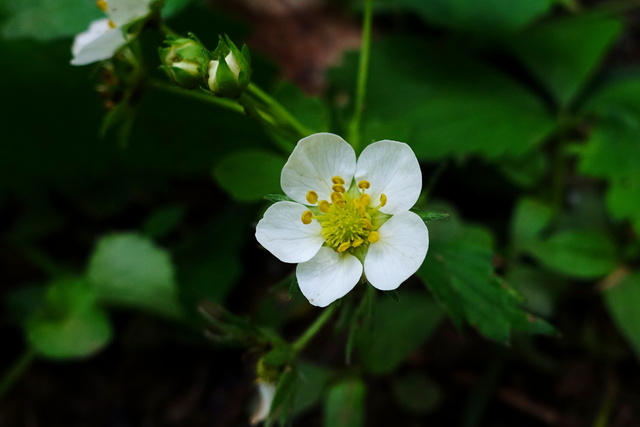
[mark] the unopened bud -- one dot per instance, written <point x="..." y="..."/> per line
<point x="184" y="60"/>
<point x="229" y="72"/>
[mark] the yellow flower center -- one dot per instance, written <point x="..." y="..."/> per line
<point x="348" y="221"/>
<point x="103" y="5"/>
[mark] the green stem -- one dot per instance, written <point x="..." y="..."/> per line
<point x="315" y="327"/>
<point x="363" y="71"/>
<point x="196" y="94"/>
<point x="16" y="370"/>
<point x="278" y="111"/>
<point x="280" y="134"/>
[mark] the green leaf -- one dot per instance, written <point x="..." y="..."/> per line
<point x="70" y="325"/>
<point x="618" y="98"/>
<point x="443" y="102"/>
<point x="47" y="20"/>
<point x="312" y="381"/>
<point x="612" y="151"/>
<point x="130" y="270"/>
<point x="471" y="15"/>
<point x="459" y="271"/>
<point x="622" y="301"/>
<point x="397" y="329"/>
<point x="539" y="289"/>
<point x="249" y="175"/>
<point x="577" y="253"/>
<point x="529" y="220"/>
<point x="564" y="54"/>
<point x="163" y="221"/>
<point x="344" y="405"/>
<point x="524" y="171"/>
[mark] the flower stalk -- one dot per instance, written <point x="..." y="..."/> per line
<point x="315" y="327"/>
<point x="363" y="73"/>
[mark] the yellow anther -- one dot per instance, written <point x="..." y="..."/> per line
<point x="357" y="243"/>
<point x="338" y="188"/>
<point x="337" y="180"/>
<point x="336" y="197"/>
<point x="374" y="236"/>
<point x="383" y="199"/>
<point x="366" y="223"/>
<point x="364" y="184"/>
<point x="306" y="217"/>
<point x="102" y="4"/>
<point x="324" y="206"/>
<point x="365" y="199"/>
<point x="344" y="246"/>
<point x="112" y="24"/>
<point x="312" y="197"/>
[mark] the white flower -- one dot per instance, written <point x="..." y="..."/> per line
<point x="347" y="217"/>
<point x="266" y="391"/>
<point x="105" y="36"/>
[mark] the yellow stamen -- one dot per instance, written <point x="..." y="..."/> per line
<point x="383" y="199"/>
<point x="306" y="217"/>
<point x="374" y="236"/>
<point x="357" y="243"/>
<point x="338" y="188"/>
<point x="365" y="199"/>
<point x="336" y="197"/>
<point x="337" y="180"/>
<point x="367" y="224"/>
<point x="112" y="24"/>
<point x="343" y="247"/>
<point x="102" y="4"/>
<point x="364" y="184"/>
<point x="312" y="197"/>
<point x="324" y="206"/>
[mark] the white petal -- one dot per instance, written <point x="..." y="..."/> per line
<point x="122" y="12"/>
<point x="391" y="168"/>
<point x="328" y="276"/>
<point x="282" y="233"/>
<point x="98" y="43"/>
<point x="315" y="160"/>
<point x="403" y="244"/>
<point x="233" y="64"/>
<point x="213" y="69"/>
<point x="267" y="391"/>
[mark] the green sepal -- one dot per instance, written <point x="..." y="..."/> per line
<point x="278" y="198"/>
<point x="429" y="216"/>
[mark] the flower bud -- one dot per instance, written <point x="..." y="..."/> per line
<point x="229" y="72"/>
<point x="184" y="60"/>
